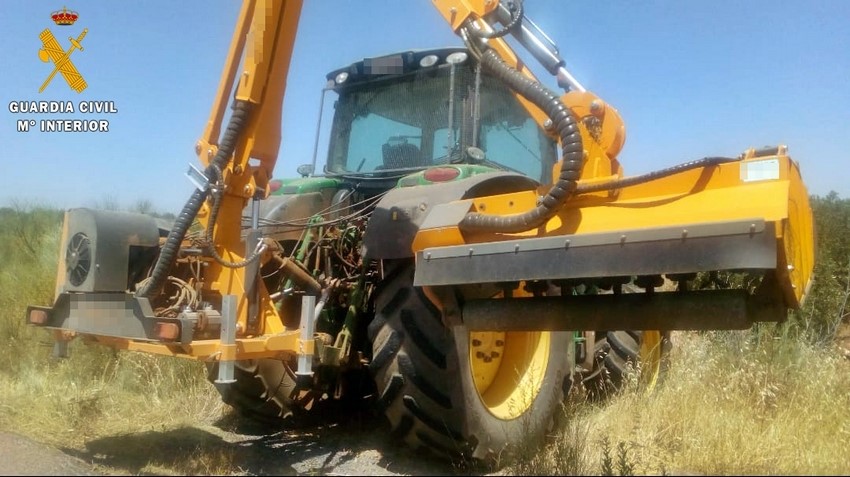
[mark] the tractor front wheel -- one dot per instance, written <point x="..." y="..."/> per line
<point x="457" y="392"/>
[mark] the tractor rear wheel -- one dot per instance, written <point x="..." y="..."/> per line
<point x="620" y="354"/>
<point x="262" y="390"/>
<point x="457" y="392"/>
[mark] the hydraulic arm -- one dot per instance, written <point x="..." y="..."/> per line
<point x="238" y="168"/>
<point x="207" y="234"/>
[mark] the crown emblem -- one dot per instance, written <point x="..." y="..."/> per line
<point x="64" y="18"/>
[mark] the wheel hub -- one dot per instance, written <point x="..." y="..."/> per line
<point x="508" y="369"/>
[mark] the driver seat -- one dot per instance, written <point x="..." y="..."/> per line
<point x="398" y="156"/>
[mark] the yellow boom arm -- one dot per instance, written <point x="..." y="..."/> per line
<point x="262" y="45"/>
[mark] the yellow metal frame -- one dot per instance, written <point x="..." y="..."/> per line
<point x="710" y="194"/>
<point x="269" y="29"/>
<point x="256" y="74"/>
<point x="650" y="357"/>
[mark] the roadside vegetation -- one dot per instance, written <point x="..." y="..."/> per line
<point x="770" y="400"/>
<point x="733" y="403"/>
<point x="97" y="392"/>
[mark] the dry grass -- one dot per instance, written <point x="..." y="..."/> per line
<point x="114" y="410"/>
<point x="732" y="403"/>
<point x="96" y="393"/>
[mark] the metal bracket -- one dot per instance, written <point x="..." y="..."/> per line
<point x="305" y="356"/>
<point x="228" y="338"/>
<point x="198" y="178"/>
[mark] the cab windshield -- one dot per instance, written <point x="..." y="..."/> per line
<point x="430" y="117"/>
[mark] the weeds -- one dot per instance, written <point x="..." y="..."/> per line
<point x="623" y="463"/>
<point x="607" y="462"/>
<point x="565" y="454"/>
<point x="97" y="391"/>
<point x="732" y="403"/>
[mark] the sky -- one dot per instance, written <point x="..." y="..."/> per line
<point x="691" y="79"/>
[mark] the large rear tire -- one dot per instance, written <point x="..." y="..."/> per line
<point x="624" y="355"/>
<point x="458" y="393"/>
<point x="262" y="390"/>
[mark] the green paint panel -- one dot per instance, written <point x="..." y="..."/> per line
<point x="303" y="185"/>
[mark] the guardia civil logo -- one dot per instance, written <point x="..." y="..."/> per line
<point x="53" y="116"/>
<point x="52" y="52"/>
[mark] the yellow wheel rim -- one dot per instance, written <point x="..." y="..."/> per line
<point x="650" y="359"/>
<point x="508" y="369"/>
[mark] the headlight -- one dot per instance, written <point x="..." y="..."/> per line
<point x="427" y="61"/>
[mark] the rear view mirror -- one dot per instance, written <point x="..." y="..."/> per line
<point x="305" y="170"/>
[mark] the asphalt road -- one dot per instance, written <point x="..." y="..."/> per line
<point x="22" y="456"/>
<point x="361" y="446"/>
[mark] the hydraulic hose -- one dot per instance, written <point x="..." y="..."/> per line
<point x="210" y="247"/>
<point x="168" y="253"/>
<point x="572" y="153"/>
<point x="630" y="181"/>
